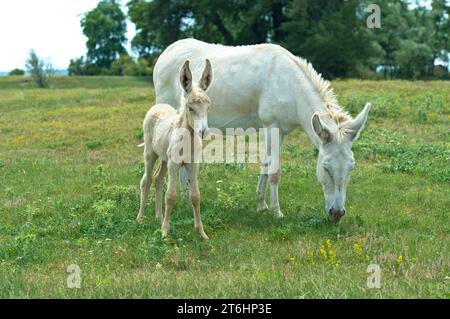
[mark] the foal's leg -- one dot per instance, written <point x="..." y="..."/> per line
<point x="171" y="193"/>
<point x="149" y="159"/>
<point x="184" y="183"/>
<point x="192" y="170"/>
<point x="159" y="183"/>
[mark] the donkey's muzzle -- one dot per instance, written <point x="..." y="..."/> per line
<point x="336" y="215"/>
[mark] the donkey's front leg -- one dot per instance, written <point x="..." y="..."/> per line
<point x="273" y="150"/>
<point x="171" y="193"/>
<point x="192" y="170"/>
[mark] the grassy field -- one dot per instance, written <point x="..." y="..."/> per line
<point x="69" y="176"/>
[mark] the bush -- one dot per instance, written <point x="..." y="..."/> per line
<point x="17" y="72"/>
<point x="126" y="65"/>
<point x="39" y="70"/>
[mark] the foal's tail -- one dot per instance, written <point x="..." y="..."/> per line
<point x="158" y="169"/>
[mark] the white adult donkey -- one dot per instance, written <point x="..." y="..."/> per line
<point x="265" y="86"/>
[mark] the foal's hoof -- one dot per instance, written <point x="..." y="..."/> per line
<point x="201" y="232"/>
<point x="140" y="218"/>
<point x="262" y="208"/>
<point x="203" y="236"/>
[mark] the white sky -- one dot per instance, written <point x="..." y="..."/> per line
<point x="51" y="27"/>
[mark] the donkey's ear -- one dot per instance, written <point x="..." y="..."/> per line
<point x="186" y="77"/>
<point x="206" y="79"/>
<point x="320" y="129"/>
<point x="358" y="123"/>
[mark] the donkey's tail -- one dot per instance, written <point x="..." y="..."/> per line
<point x="141" y="145"/>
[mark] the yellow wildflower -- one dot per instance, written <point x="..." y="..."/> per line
<point x="323" y="252"/>
<point x="358" y="249"/>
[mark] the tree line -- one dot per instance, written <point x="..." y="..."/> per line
<point x="333" y="34"/>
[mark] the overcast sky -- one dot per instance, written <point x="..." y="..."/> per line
<point x="51" y="27"/>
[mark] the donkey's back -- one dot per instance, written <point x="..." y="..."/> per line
<point x="245" y="75"/>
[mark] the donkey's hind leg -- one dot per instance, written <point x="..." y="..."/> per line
<point x="262" y="187"/>
<point x="159" y="183"/>
<point x="149" y="159"/>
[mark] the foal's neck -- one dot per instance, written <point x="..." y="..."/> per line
<point x="182" y="119"/>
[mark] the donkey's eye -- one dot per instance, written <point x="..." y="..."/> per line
<point x="328" y="171"/>
<point x="191" y="109"/>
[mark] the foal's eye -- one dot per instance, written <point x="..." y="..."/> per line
<point x="191" y="109"/>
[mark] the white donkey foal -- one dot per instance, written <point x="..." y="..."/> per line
<point x="166" y="133"/>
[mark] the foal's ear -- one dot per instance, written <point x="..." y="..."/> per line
<point x="320" y="129"/>
<point x="206" y="79"/>
<point x="358" y="123"/>
<point x="186" y="77"/>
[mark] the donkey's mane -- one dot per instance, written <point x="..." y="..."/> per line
<point x="333" y="110"/>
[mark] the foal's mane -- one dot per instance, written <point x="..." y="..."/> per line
<point x="333" y="111"/>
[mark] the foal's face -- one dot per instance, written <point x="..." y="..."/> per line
<point x="197" y="113"/>
<point x="197" y="103"/>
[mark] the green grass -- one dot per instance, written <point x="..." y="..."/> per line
<point x="69" y="192"/>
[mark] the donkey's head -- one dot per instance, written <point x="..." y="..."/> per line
<point x="196" y="103"/>
<point x="336" y="160"/>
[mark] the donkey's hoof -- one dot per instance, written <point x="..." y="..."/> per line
<point x="277" y="213"/>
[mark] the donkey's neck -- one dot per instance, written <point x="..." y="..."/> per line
<point x="309" y="101"/>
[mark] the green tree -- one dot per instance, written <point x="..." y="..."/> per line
<point x="412" y="38"/>
<point x="39" y="70"/>
<point x="77" y="67"/>
<point x="159" y="23"/>
<point x="105" y="27"/>
<point x="333" y="35"/>
<point x="440" y="21"/>
<point x="17" y="72"/>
